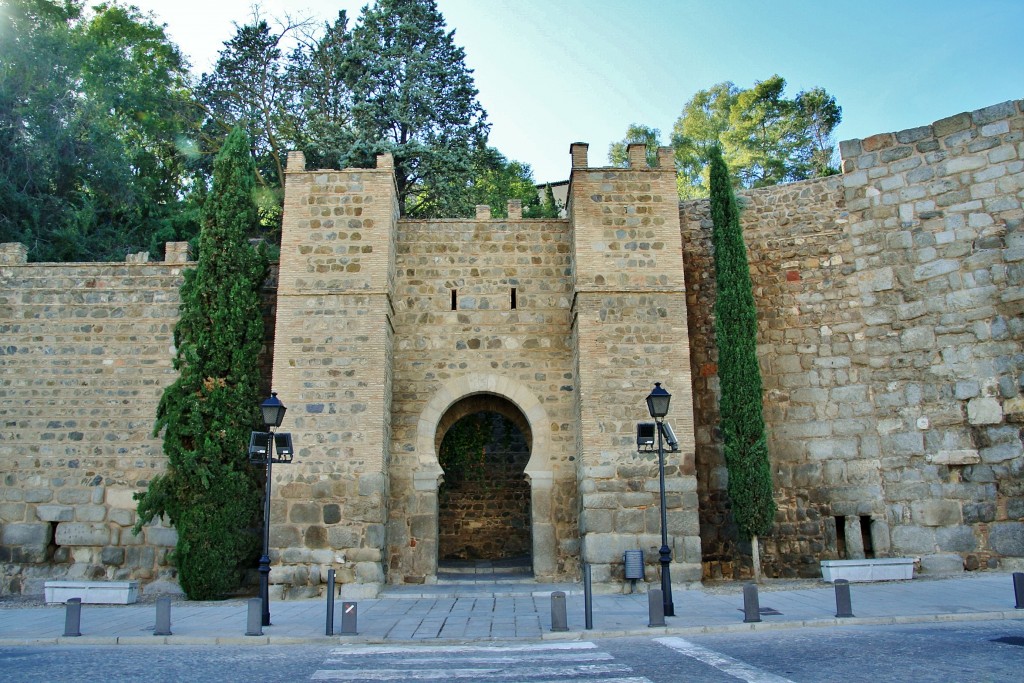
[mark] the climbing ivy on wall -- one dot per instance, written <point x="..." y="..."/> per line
<point x="464" y="448"/>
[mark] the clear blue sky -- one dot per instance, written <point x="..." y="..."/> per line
<point x="553" y="72"/>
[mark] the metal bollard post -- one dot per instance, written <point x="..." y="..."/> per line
<point x="588" y="598"/>
<point x="349" y="612"/>
<point x="73" y="618"/>
<point x="1018" y="589"/>
<point x="751" y="604"/>
<point x="254" y="620"/>
<point x="655" y="608"/>
<point x="163" y="617"/>
<point x="844" y="607"/>
<point x="559" y="620"/>
<point x="330" y="603"/>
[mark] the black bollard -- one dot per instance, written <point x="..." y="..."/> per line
<point x="751" y="604"/>
<point x="844" y="607"/>
<point x="330" y="603"/>
<point x="559" y="620"/>
<point x="1018" y="589"/>
<point x="588" y="599"/>
<point x="349" y="612"/>
<point x="655" y="608"/>
<point x="163" y="617"/>
<point x="254" y="618"/>
<point x="73" y="618"/>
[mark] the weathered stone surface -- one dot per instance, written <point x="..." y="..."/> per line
<point x="78" y="533"/>
<point x="942" y="513"/>
<point x="984" y="411"/>
<point x="55" y="513"/>
<point x="941" y="563"/>
<point x="1007" y="538"/>
<point x="25" y="534"/>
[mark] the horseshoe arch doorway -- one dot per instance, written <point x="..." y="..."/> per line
<point x="484" y="442"/>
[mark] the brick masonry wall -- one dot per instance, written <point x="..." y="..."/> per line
<point x="890" y="322"/>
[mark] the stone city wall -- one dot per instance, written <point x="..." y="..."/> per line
<point x="891" y="346"/>
<point x="86" y="352"/>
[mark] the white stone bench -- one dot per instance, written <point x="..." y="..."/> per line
<point x="92" y="592"/>
<point x="875" y="569"/>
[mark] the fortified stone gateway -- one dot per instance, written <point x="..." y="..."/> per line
<point x="891" y="343"/>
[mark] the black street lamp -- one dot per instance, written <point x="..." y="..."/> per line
<point x="261" y="452"/>
<point x="657" y="405"/>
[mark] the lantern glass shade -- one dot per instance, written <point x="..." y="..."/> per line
<point x="658" y="400"/>
<point x="273" y="411"/>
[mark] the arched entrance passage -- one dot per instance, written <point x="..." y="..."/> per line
<point x="483" y="445"/>
<point x="429" y="474"/>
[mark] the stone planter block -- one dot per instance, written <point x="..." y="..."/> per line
<point x="880" y="569"/>
<point x="93" y="592"/>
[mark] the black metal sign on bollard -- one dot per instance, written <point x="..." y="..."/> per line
<point x="73" y="618"/>
<point x="559" y="618"/>
<point x="655" y="608"/>
<point x="751" y="604"/>
<point x="1018" y="589"/>
<point x="163" y="617"/>
<point x="349" y="612"/>
<point x="254" y="618"/>
<point x="844" y="607"/>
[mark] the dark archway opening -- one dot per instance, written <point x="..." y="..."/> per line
<point x="484" y="501"/>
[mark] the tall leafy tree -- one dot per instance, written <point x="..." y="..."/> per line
<point x="94" y="109"/>
<point x="740" y="404"/>
<point x="496" y="180"/>
<point x="209" y="492"/>
<point x="319" y="73"/>
<point x="637" y="133"/>
<point x="765" y="137"/>
<point x="249" y="86"/>
<point x="414" y="96"/>
<point x="704" y="120"/>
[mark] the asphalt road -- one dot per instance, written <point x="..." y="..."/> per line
<point x="959" y="651"/>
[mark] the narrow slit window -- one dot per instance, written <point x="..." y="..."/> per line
<point x="513" y="298"/>
<point x="865" y="534"/>
<point x="455" y="299"/>
<point x="841" y="536"/>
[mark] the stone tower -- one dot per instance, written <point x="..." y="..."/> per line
<point x="629" y="332"/>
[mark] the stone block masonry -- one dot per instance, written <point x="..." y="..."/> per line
<point x="86" y="352"/>
<point x="890" y="337"/>
<point x="891" y="344"/>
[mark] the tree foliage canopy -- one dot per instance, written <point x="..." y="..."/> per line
<point x="94" y="109"/>
<point x="107" y="141"/>
<point x="740" y="405"/>
<point x="765" y="137"/>
<point x="209" y="492"/>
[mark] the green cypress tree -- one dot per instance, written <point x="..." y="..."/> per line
<point x="740" y="405"/>
<point x="209" y="492"/>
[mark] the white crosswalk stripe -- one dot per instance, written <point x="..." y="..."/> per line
<point x="724" y="663"/>
<point x="577" y="662"/>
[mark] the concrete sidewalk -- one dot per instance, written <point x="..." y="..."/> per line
<point x="500" y="612"/>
